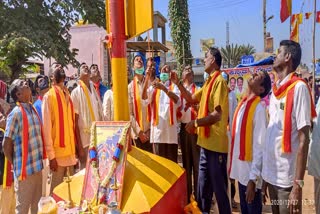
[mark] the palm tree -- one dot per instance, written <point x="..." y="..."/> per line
<point x="231" y="55"/>
<point x="248" y="49"/>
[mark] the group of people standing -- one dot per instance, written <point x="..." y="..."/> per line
<point x="265" y="153"/>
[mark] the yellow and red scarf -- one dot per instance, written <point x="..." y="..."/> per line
<point x="60" y="118"/>
<point x="25" y="139"/>
<point x="86" y="93"/>
<point x="287" y="90"/>
<point x="7" y="172"/>
<point x="137" y="105"/>
<point x="246" y="128"/>
<point x="204" y="131"/>
<point x="155" y="100"/>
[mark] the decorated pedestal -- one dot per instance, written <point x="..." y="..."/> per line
<point x="150" y="183"/>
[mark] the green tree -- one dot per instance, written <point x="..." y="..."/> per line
<point x="42" y="26"/>
<point x="231" y="55"/>
<point x="248" y="49"/>
<point x="180" y="31"/>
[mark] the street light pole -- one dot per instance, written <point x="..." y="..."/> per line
<point x="264" y="5"/>
<point x="314" y="51"/>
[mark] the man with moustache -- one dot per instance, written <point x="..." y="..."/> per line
<point x="287" y="137"/>
<point x="211" y="125"/>
<point x="88" y="108"/>
<point x="58" y="123"/>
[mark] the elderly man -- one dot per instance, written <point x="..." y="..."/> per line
<point x="24" y="147"/>
<point x="88" y="108"/>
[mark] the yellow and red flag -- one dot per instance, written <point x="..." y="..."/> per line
<point x="285" y="9"/>
<point x="294" y="35"/>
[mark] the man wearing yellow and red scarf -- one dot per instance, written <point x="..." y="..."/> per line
<point x="58" y="123"/>
<point x="164" y="99"/>
<point x="88" y="108"/>
<point x="23" y="146"/>
<point x="140" y="115"/>
<point x="247" y="141"/>
<point x="96" y="80"/>
<point x="287" y="138"/>
<point x="211" y="125"/>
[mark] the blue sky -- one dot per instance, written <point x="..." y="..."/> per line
<point x="208" y="20"/>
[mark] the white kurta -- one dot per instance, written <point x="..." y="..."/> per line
<point x="81" y="108"/>
<point x="243" y="171"/>
<point x="314" y="148"/>
<point x="164" y="132"/>
<point x="186" y="115"/>
<point x="278" y="167"/>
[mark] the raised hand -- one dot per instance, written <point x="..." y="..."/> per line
<point x="174" y="77"/>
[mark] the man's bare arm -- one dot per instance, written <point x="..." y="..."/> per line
<point x="8" y="148"/>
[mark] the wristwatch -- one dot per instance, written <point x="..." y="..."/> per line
<point x="196" y="123"/>
<point x="300" y="183"/>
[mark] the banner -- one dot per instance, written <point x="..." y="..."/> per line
<point x="238" y="80"/>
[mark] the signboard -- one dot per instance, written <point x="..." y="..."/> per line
<point x="247" y="59"/>
<point x="238" y="79"/>
<point x="139" y="17"/>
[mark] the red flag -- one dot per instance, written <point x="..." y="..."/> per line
<point x="285" y="9"/>
<point x="318" y="17"/>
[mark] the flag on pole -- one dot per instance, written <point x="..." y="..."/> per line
<point x="307" y="15"/>
<point x="294" y="35"/>
<point x="318" y="17"/>
<point x="285" y="9"/>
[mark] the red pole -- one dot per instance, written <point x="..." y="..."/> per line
<point x="119" y="60"/>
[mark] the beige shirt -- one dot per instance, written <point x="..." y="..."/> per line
<point x="81" y="107"/>
<point x="135" y="129"/>
<point x="107" y="106"/>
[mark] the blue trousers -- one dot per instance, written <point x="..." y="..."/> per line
<point x="213" y="178"/>
<point x="256" y="205"/>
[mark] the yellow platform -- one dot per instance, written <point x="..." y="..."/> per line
<point x="150" y="182"/>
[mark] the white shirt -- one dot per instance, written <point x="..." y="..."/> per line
<point x="164" y="132"/>
<point x="232" y="106"/>
<point x="278" y="167"/>
<point x="314" y="148"/>
<point x="81" y="108"/>
<point x="243" y="171"/>
<point x="186" y="115"/>
<point x="107" y="106"/>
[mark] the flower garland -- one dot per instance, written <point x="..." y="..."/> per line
<point x="116" y="157"/>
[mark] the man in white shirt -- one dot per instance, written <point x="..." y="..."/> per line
<point x="188" y="142"/>
<point x="87" y="108"/>
<point x="247" y="144"/>
<point x="164" y="99"/>
<point x="287" y="137"/>
<point x="314" y="158"/>
<point x="139" y="113"/>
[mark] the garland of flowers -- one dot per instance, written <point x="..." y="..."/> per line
<point x="116" y="157"/>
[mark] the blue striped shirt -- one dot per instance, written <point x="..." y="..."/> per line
<point x="35" y="145"/>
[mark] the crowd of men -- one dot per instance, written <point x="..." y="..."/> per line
<point x="219" y="138"/>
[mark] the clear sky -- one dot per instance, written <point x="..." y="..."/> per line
<point x="208" y="20"/>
